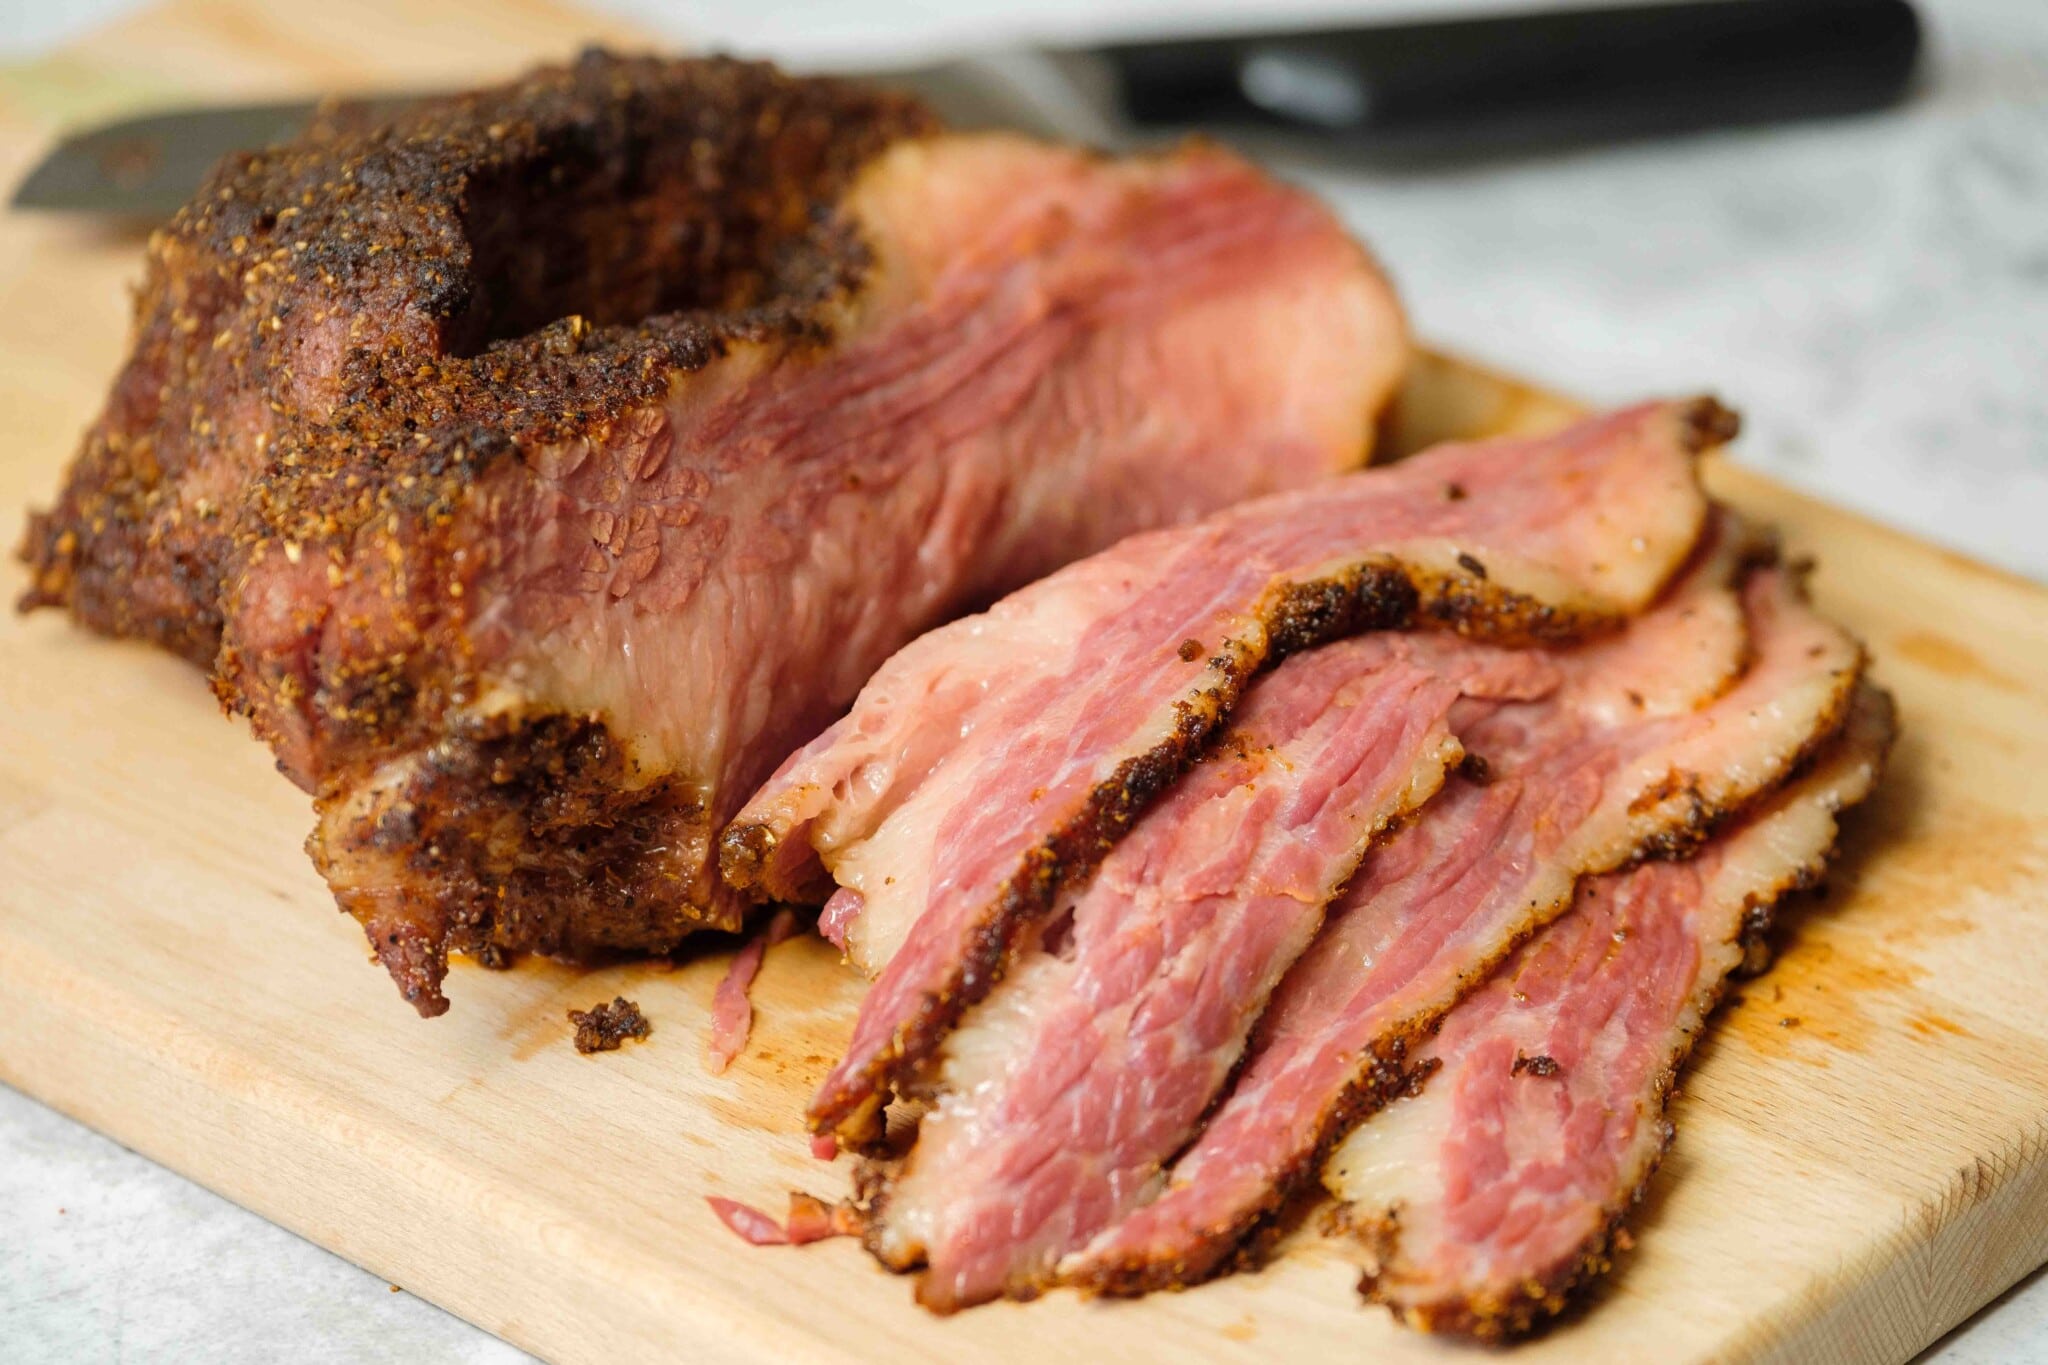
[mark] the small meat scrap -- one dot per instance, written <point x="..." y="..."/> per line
<point x="748" y="1222"/>
<point x="602" y="1027"/>
<point x="811" y="1219"/>
<point x="732" y="1013"/>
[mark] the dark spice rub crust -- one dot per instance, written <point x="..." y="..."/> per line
<point x="534" y="835"/>
<point x="525" y="264"/>
<point x="536" y="472"/>
<point x="348" y="354"/>
<point x="604" y="1027"/>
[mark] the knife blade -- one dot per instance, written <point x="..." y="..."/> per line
<point x="148" y="166"/>
<point x="1386" y="95"/>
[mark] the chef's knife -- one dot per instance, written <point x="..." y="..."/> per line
<point x="1453" y="88"/>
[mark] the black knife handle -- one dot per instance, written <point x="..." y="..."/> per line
<point x="1535" y="79"/>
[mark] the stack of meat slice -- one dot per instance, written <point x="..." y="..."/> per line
<point x="1505" y="672"/>
<point x="1492" y="1194"/>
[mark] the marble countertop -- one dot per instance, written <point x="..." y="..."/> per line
<point x="1873" y="293"/>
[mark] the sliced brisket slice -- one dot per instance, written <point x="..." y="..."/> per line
<point x="1093" y="1060"/>
<point x="1435" y="907"/>
<point x="1494" y="1193"/>
<point x="1064" y="1094"/>
<point x="994" y="761"/>
<point x="537" y="472"/>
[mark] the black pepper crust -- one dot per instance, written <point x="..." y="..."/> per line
<point x="351" y="358"/>
<point x="510" y="836"/>
<point x="494" y="270"/>
<point x="1373" y="594"/>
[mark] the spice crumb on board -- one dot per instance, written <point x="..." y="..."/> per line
<point x="603" y="1027"/>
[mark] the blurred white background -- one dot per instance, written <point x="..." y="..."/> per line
<point x="1873" y="293"/>
<point x="823" y="29"/>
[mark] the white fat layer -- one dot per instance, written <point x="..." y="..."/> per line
<point x="979" y="1058"/>
<point x="1390" y="1166"/>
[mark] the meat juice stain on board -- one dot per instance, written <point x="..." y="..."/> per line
<point x="1951" y="659"/>
<point x="537" y="992"/>
<point x="1901" y="887"/>
<point x="1931" y="1025"/>
<point x="1834" y="993"/>
<point x="1827" y="989"/>
<point x="21" y="800"/>
<point x="804" y="1000"/>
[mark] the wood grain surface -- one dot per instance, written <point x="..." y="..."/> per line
<point x="1862" y="1156"/>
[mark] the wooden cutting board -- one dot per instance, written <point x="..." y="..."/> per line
<point x="1863" y="1147"/>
